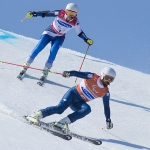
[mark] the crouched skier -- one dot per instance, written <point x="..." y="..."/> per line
<point x="91" y="87"/>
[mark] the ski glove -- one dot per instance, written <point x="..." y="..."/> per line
<point x="109" y="124"/>
<point x="66" y="74"/>
<point x="89" y="41"/>
<point x="31" y="14"/>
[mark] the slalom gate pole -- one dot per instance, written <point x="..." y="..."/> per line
<point x="82" y="61"/>
<point x="9" y="63"/>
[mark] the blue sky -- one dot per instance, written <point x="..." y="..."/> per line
<point x="120" y="29"/>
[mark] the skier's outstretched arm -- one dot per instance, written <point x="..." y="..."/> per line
<point x="84" y="75"/>
<point x="109" y="124"/>
<point x="46" y="13"/>
<point x="106" y="105"/>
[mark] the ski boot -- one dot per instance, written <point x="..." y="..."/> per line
<point x="63" y="124"/>
<point x="44" y="75"/>
<point x="34" y="118"/>
<point x="23" y="70"/>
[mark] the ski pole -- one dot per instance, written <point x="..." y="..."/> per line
<point x="82" y="61"/>
<point x="55" y="72"/>
<point x="113" y="135"/>
<point x="23" y="19"/>
<point x="28" y="67"/>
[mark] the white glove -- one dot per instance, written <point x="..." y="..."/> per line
<point x="109" y="124"/>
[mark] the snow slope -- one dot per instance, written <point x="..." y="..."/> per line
<point x="129" y="103"/>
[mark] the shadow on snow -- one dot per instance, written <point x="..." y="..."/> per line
<point x="131" y="104"/>
<point x="47" y="81"/>
<point x="125" y="144"/>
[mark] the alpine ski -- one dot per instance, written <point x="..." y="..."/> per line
<point x="21" y="75"/>
<point x="41" y="81"/>
<point x="51" y="129"/>
<point x="69" y="134"/>
<point x="72" y="134"/>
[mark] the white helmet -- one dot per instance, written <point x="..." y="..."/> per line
<point x="108" y="71"/>
<point x="72" y="7"/>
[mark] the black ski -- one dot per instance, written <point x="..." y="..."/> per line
<point x="41" y="81"/>
<point x="51" y="129"/>
<point x="75" y="135"/>
<point x="86" y="139"/>
<point x="61" y="135"/>
<point x="21" y="75"/>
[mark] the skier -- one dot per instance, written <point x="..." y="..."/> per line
<point x="64" y="21"/>
<point x="91" y="87"/>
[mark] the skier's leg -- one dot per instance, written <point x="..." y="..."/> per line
<point x="56" y="44"/>
<point x="45" y="39"/>
<point x="81" y="109"/>
<point x="61" y="107"/>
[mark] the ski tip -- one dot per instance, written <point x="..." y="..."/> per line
<point x="39" y="83"/>
<point x="98" y="142"/>
<point x="18" y="77"/>
<point x="25" y="116"/>
<point x="68" y="137"/>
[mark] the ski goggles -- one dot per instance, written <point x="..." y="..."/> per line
<point x="70" y="13"/>
<point x="108" y="78"/>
